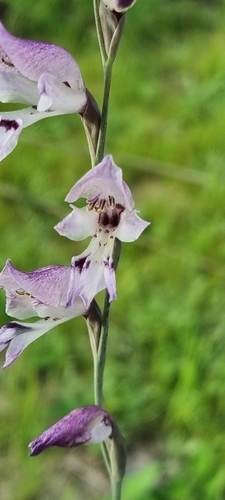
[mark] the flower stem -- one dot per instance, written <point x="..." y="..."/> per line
<point x="99" y="354"/>
<point x="108" y="66"/>
<point x="116" y="487"/>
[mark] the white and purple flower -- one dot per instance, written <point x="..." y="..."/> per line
<point x="41" y="293"/>
<point x="109" y="214"/>
<point x="43" y="76"/>
<point x="88" y="424"/>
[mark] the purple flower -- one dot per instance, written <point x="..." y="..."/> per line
<point x="41" y="293"/>
<point x="88" y="424"/>
<point x="109" y="214"/>
<point x="119" y="5"/>
<point x="42" y="75"/>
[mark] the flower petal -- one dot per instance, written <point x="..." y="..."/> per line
<point x="78" y="225"/>
<point x="17" y="336"/>
<point x="110" y="278"/>
<point x="17" y="88"/>
<point x="86" y="424"/>
<point x="33" y="58"/>
<point x="104" y="180"/>
<point x="58" y="96"/>
<point x="19" y="305"/>
<point x="9" y="134"/>
<point x="87" y="276"/>
<point x="47" y="284"/>
<point x="131" y="227"/>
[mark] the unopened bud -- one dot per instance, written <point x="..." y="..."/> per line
<point x="119" y="5"/>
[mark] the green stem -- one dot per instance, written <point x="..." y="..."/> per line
<point x="105" y="108"/>
<point x="116" y="486"/>
<point x="101" y="354"/>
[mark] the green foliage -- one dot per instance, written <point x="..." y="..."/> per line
<point x="166" y="364"/>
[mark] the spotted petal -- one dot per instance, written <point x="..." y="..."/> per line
<point x="17" y="336"/>
<point x="41" y="293"/>
<point x="12" y="124"/>
<point x="91" y="272"/>
<point x="47" y="284"/>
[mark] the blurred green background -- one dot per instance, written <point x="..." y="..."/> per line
<point x="165" y="373"/>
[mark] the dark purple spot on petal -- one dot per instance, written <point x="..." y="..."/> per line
<point x="67" y="84"/>
<point x="8" y="63"/>
<point x="109" y="263"/>
<point x="82" y="263"/>
<point x="17" y="326"/>
<point x="9" y="124"/>
<point x="123" y="4"/>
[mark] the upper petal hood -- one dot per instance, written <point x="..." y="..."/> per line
<point x="105" y="179"/>
<point x="33" y="58"/>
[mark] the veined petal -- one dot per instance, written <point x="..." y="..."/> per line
<point x="16" y="88"/>
<point x="33" y="58"/>
<point x="131" y="227"/>
<point x="58" y="96"/>
<point x="102" y="181"/>
<point x="17" y="336"/>
<point x="48" y="284"/>
<point x="78" y="225"/>
<point x="88" y="424"/>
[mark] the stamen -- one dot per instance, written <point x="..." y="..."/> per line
<point x="112" y="202"/>
<point x="23" y="292"/>
<point x="91" y="206"/>
<point x="101" y="205"/>
<point x="8" y="63"/>
<point x="29" y="295"/>
<point x="97" y="205"/>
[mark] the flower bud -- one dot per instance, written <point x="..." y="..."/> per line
<point x="88" y="424"/>
<point x="119" y="5"/>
